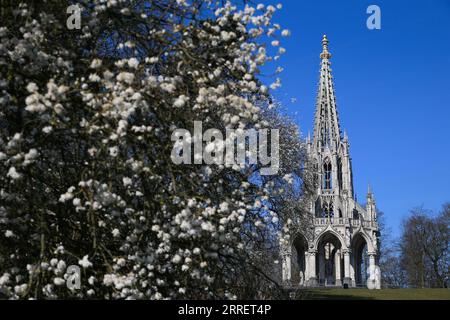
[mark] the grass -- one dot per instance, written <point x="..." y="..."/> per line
<point x="383" y="294"/>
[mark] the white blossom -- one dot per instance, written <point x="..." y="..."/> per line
<point x="85" y="263"/>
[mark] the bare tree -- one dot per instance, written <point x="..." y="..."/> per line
<point x="392" y="273"/>
<point x="424" y="248"/>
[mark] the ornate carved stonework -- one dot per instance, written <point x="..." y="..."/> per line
<point x="342" y="228"/>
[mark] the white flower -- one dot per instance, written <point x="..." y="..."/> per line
<point x="271" y="9"/>
<point x="96" y="63"/>
<point x="121" y="262"/>
<point x="85" y="263"/>
<point x="13" y="174"/>
<point x="30" y="156"/>
<point x="47" y="129"/>
<point x="288" y="178"/>
<point x="176" y="259"/>
<point x="234" y="119"/>
<point x="20" y="289"/>
<point x="225" y="35"/>
<point x="133" y="63"/>
<point x="286" y="33"/>
<point x="33" y="103"/>
<point x="158" y="296"/>
<point x="126" y="77"/>
<point x="116" y="233"/>
<point x="126" y="181"/>
<point x="4" y="279"/>
<point x="9" y="234"/>
<point x="180" y="101"/>
<point x="76" y="202"/>
<point x="32" y="87"/>
<point x="207" y="226"/>
<point x="93" y="77"/>
<point x="224" y="207"/>
<point x="113" y="151"/>
<point x="61" y="266"/>
<point x="59" y="281"/>
<point x="152" y="60"/>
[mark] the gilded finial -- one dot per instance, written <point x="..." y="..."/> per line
<point x="325" y="54"/>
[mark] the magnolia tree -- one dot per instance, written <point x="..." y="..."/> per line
<point x="92" y="204"/>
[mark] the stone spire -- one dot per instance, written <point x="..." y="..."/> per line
<point x="337" y="217"/>
<point x="325" y="54"/>
<point x="327" y="132"/>
<point x="370" y="205"/>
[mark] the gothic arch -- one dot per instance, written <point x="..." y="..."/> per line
<point x="328" y="246"/>
<point x="329" y="231"/>
<point x="299" y="249"/>
<point x="361" y="233"/>
<point x="327" y="167"/>
<point x="299" y="236"/>
<point x="318" y="208"/>
<point x="361" y="246"/>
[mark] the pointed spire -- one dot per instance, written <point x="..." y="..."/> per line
<point x="369" y="189"/>
<point x="325" y="54"/>
<point x="327" y="132"/>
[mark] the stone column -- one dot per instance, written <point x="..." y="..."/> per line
<point x="312" y="280"/>
<point x="337" y="262"/>
<point x="287" y="267"/>
<point x="347" y="278"/>
<point x="321" y="265"/>
<point x="306" y="267"/>
<point x="371" y="260"/>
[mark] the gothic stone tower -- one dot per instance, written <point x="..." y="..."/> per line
<point x="342" y="242"/>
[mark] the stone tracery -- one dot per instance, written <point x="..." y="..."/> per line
<point x="344" y="242"/>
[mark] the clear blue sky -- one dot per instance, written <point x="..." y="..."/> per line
<point x="393" y="93"/>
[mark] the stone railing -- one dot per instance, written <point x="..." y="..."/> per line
<point x="326" y="221"/>
<point x="343" y="221"/>
<point x="365" y="224"/>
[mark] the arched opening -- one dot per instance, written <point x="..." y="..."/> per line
<point x="329" y="262"/>
<point x="298" y="261"/>
<point x="355" y="214"/>
<point x="318" y="208"/>
<point x="360" y="259"/>
<point x="339" y="172"/>
<point x="327" y="176"/>
<point x="329" y="210"/>
<point x="324" y="209"/>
